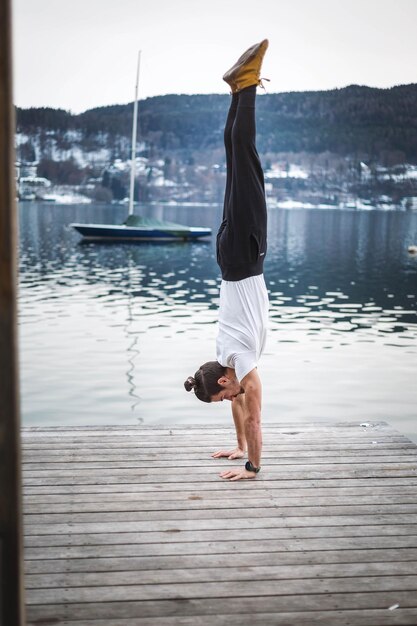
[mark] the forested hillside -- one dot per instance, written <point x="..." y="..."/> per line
<point x="356" y="121"/>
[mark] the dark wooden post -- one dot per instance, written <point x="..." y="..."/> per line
<point x="11" y="555"/>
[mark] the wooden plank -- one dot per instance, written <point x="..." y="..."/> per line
<point x="401" y="470"/>
<point x="131" y="442"/>
<point x="330" y="432"/>
<point x="43" y="468"/>
<point x="239" y="523"/>
<point x="160" y="434"/>
<point x="141" y="563"/>
<point x="129" y="429"/>
<point x="198" y="450"/>
<point x="233" y="606"/>
<point x="222" y="573"/>
<point x="309" y="448"/>
<point x="131" y="502"/>
<point x="283" y="449"/>
<point x="202" y="443"/>
<point x="232" y="546"/>
<point x="178" y="430"/>
<point x="227" y="426"/>
<point x="274" y="462"/>
<point x="156" y="539"/>
<point x="216" y="511"/>
<point x="196" y="542"/>
<point x="380" y="484"/>
<point x="353" y="617"/>
<point x="291" y="428"/>
<point x="210" y="491"/>
<point x="224" y="589"/>
<point x="182" y="472"/>
<point x="277" y="466"/>
<point x="189" y="445"/>
<point x="204" y="426"/>
<point x="209" y="511"/>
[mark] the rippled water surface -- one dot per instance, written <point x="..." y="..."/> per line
<point x="109" y="332"/>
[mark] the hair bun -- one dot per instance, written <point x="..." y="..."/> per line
<point x="189" y="383"/>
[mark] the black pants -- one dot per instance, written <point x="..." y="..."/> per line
<point x="241" y="240"/>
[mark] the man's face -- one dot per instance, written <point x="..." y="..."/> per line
<point x="231" y="389"/>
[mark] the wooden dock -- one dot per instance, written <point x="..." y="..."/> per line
<point x="129" y="526"/>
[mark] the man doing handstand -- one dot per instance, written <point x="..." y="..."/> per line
<point x="241" y="249"/>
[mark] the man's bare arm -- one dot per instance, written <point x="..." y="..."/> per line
<point x="253" y="431"/>
<point x="239" y="417"/>
<point x="238" y="413"/>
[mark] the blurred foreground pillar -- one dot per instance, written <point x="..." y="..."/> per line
<point x="11" y="555"/>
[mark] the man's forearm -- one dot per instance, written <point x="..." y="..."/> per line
<point x="238" y="412"/>
<point x="253" y="432"/>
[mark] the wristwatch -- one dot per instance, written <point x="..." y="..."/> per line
<point x="251" y="468"/>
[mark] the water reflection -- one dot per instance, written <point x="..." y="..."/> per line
<point x="348" y="271"/>
<point x="146" y="312"/>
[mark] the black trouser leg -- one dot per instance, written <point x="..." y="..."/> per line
<point x="247" y="198"/>
<point x="229" y="149"/>
<point x="241" y="241"/>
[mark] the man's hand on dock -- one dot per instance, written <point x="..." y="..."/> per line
<point x="237" y="474"/>
<point x="237" y="453"/>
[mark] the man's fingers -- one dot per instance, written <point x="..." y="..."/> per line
<point x="224" y="453"/>
<point x="230" y="474"/>
<point x="237" y="475"/>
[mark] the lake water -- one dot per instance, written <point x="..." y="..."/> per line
<point x="109" y="332"/>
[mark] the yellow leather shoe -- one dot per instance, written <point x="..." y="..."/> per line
<point x="247" y="69"/>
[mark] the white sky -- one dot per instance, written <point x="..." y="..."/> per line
<point x="78" y="54"/>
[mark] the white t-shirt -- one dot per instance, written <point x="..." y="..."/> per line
<point x="243" y="318"/>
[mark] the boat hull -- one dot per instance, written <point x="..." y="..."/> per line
<point x="104" y="232"/>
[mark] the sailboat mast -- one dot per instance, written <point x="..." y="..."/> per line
<point x="134" y="132"/>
